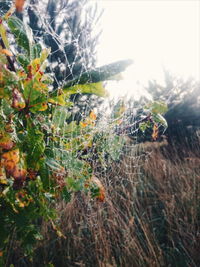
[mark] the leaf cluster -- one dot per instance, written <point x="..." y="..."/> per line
<point x="41" y="154"/>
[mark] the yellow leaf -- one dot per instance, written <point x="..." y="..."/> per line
<point x="58" y="100"/>
<point x="21" y="204"/>
<point x="3" y="178"/>
<point x="9" y="13"/>
<point x="3" y="34"/>
<point x="43" y="107"/>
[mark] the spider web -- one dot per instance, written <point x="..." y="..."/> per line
<point x="69" y="28"/>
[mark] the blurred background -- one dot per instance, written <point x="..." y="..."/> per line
<point x="157" y="35"/>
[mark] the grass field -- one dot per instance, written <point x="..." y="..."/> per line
<point x="150" y="217"/>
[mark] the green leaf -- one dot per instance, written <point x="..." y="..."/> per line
<point x="23" y="61"/>
<point x="60" y="115"/>
<point x="34" y="96"/>
<point x="35" y="144"/>
<point x="53" y="164"/>
<point x="75" y="184"/>
<point x="66" y="195"/>
<point x="21" y="33"/>
<point x="158" y="107"/>
<point x="118" y="109"/>
<point x="143" y="126"/>
<point x="61" y="100"/>
<point x="36" y="50"/>
<point x="158" y="118"/>
<point x="89" y="88"/>
<point x="100" y="74"/>
<point x="114" y="147"/>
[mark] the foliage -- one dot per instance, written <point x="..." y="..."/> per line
<point x="41" y="154"/>
<point x="68" y="29"/>
<point x="150" y="216"/>
<point x="182" y="99"/>
<point x="142" y="121"/>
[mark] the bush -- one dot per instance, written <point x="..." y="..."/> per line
<point x="41" y="154"/>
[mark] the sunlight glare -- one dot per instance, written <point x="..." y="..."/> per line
<point x="154" y="34"/>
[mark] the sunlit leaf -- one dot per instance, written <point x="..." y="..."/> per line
<point x="119" y="109"/>
<point x="158" y="107"/>
<point x="6" y="52"/>
<point x="90" y="88"/>
<point x="155" y="132"/>
<point x="60" y="100"/>
<point x="100" y="74"/>
<point x="93" y="115"/>
<point x="3" y="34"/>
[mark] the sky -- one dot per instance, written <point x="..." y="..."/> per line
<point x="152" y="33"/>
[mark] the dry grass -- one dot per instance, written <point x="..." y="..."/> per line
<point x="151" y="216"/>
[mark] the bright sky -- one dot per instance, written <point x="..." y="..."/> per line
<point x="152" y="33"/>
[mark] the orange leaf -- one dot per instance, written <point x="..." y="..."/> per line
<point x="93" y="116"/>
<point x="6" y="52"/>
<point x="83" y="124"/>
<point x="155" y="132"/>
<point x="10" y="160"/>
<point x="19" y="5"/>
<point x="19" y="173"/>
<point x="97" y="182"/>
